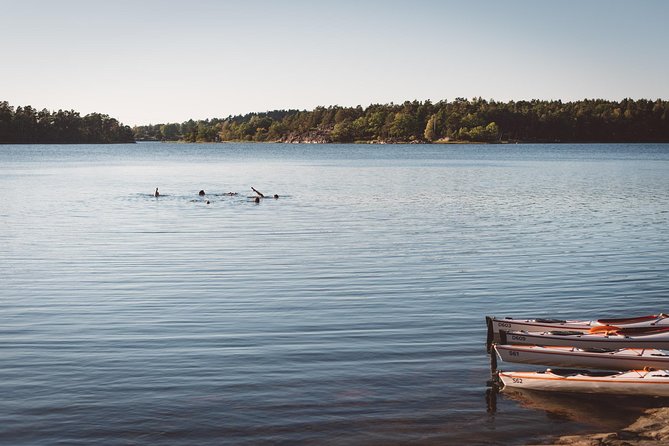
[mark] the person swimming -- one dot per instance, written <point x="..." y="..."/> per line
<point x="156" y="193"/>
<point x="260" y="194"/>
<point x="201" y="193"/>
<point x="257" y="200"/>
<point x="276" y="197"/>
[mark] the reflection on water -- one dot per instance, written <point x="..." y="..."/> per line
<point x="607" y="412"/>
<point x="349" y="311"/>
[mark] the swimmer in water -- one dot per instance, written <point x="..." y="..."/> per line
<point x="201" y="193"/>
<point x="276" y="197"/>
<point x="156" y="194"/>
<point x="257" y="192"/>
<point x="257" y="200"/>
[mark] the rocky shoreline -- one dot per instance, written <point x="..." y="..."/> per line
<point x="322" y="137"/>
<point x="651" y="429"/>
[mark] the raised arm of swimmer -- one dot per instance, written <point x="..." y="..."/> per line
<point x="256" y="191"/>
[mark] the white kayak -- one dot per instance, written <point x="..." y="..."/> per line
<point x="604" y="359"/>
<point x="622" y="338"/>
<point x="634" y="382"/>
<point x="496" y="324"/>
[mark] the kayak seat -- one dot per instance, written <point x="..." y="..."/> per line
<point x="643" y="331"/>
<point x="570" y="372"/>
<point x="599" y="350"/>
<point x="565" y="333"/>
<point x="629" y="320"/>
<point x="551" y="321"/>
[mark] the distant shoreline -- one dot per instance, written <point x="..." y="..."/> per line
<point x="462" y="121"/>
<point x="450" y="122"/>
<point x="374" y="143"/>
<point x="27" y="125"/>
<point x="442" y="143"/>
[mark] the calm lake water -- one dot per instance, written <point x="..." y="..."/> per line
<point x="349" y="311"/>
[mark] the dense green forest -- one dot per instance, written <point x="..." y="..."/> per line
<point x="26" y="125"/>
<point x="475" y="120"/>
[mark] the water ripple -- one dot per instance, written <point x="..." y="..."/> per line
<point x="349" y="311"/>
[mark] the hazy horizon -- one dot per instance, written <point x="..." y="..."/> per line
<point x="164" y="61"/>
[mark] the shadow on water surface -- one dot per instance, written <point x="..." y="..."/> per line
<point x="608" y="412"/>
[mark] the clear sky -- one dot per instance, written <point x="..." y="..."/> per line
<point x="151" y="61"/>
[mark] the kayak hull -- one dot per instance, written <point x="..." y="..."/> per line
<point x="570" y="357"/>
<point x="587" y="340"/>
<point x="655" y="383"/>
<point x="497" y="325"/>
<point x="509" y="324"/>
<point x="513" y="324"/>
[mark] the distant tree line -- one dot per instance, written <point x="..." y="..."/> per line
<point x="475" y="120"/>
<point x="26" y="125"/>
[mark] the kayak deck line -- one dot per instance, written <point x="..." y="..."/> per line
<point x="533" y="375"/>
<point x="617" y="353"/>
